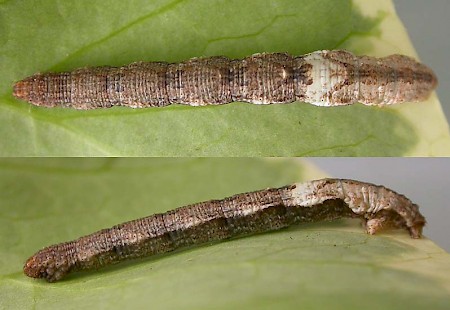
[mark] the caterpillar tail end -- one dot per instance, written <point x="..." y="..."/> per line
<point x="375" y="225"/>
<point x="416" y="231"/>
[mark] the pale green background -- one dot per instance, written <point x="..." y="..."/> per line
<point x="322" y="265"/>
<point x="165" y="30"/>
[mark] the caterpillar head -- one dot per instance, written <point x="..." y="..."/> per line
<point x="47" y="263"/>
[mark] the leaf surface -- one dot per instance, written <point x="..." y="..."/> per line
<point x="323" y="265"/>
<point x="61" y="36"/>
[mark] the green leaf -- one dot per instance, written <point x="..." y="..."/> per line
<point x="56" y="35"/>
<point x="324" y="265"/>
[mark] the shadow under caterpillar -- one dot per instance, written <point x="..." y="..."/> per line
<point x="323" y="78"/>
<point x="236" y="216"/>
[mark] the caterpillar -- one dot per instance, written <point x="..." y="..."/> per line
<point x="235" y="216"/>
<point x="323" y="78"/>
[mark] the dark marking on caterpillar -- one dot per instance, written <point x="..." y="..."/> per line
<point x="236" y="216"/>
<point x="323" y="78"/>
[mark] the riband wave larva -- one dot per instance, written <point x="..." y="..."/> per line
<point x="323" y="78"/>
<point x="235" y="216"/>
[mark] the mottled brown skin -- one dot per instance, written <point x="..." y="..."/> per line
<point x="205" y="222"/>
<point x="260" y="79"/>
<point x="379" y="81"/>
<point x="198" y="81"/>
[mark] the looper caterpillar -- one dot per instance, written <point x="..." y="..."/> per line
<point x="323" y="78"/>
<point x="236" y="216"/>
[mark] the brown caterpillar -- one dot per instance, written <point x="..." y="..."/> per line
<point x="239" y="215"/>
<point x="324" y="78"/>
